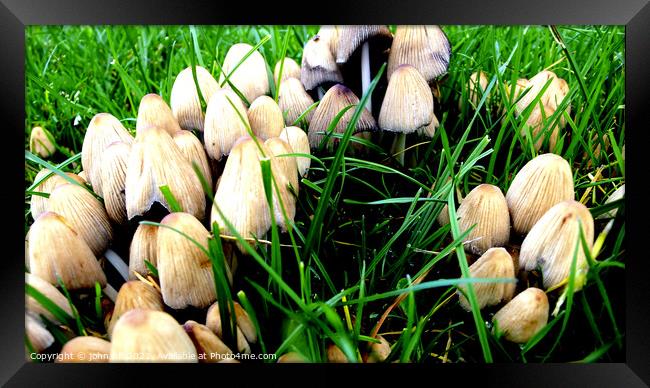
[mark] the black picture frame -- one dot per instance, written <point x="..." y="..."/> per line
<point x="634" y="14"/>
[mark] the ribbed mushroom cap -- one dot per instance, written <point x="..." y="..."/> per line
<point x="240" y="195"/>
<point x="184" y="100"/>
<point x="85" y="214"/>
<point x="39" y="337"/>
<point x="538" y="124"/>
<point x="41" y="143"/>
<point x="494" y="263"/>
<point x="143" y="247"/>
<point x="424" y="47"/>
<point x="330" y="34"/>
<point x="430" y="129"/>
<point x="351" y="37"/>
<point x="250" y="77"/>
<point x="154" y="112"/>
<point x="191" y="147"/>
<point x="524" y="316"/>
<point x="224" y="124"/>
<point x="52" y="293"/>
<point x="184" y="269"/>
<point x="155" y="161"/>
<point x="85" y="349"/>
<point x="285" y="172"/>
<point x="294" y="101"/>
<point x="135" y="294"/>
<point x="290" y="69"/>
<point x="540" y="184"/>
<point x="113" y="177"/>
<point x="408" y="103"/>
<point x="57" y="250"/>
<point x="265" y="118"/>
<point x="486" y="207"/>
<point x="318" y="64"/>
<point x="246" y="333"/>
<point x="150" y="336"/>
<point x="299" y="142"/>
<point x="103" y="130"/>
<point x="519" y="87"/>
<point x="209" y="347"/>
<point x="551" y="243"/>
<point x="379" y="352"/>
<point x="38" y="203"/>
<point x="337" y="98"/>
<point x="556" y="91"/>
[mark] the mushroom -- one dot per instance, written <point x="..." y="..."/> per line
<point x="615" y="196"/>
<point x="290" y="69"/>
<point x="485" y="208"/>
<point x="49" y="181"/>
<point x="41" y="143"/>
<point x="523" y="317"/>
<point x="154" y="111"/>
<point x="265" y="118"/>
<point x="285" y="173"/>
<point x="246" y="333"/>
<point x="191" y="147"/>
<point x="143" y="247"/>
<point x="294" y="101"/>
<point x="426" y="48"/>
<point x="37" y="335"/>
<point x="208" y="345"/>
<point x="248" y="76"/>
<point x="132" y="295"/>
<point x="337" y="98"/>
<point x="113" y="178"/>
<point x="103" y="130"/>
<point x="35" y="308"/>
<point x="226" y="120"/>
<point x="155" y="161"/>
<point x="150" y="336"/>
<point x="184" y="269"/>
<point x="184" y="99"/>
<point x="494" y="263"/>
<point x="318" y="66"/>
<point x="407" y="106"/>
<point x="299" y="142"/>
<point x="85" y="349"/>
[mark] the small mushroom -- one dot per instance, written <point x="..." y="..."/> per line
<point x="299" y="142"/>
<point x="285" y="173"/>
<point x="52" y="293"/>
<point x="208" y="345"/>
<point x="85" y="349"/>
<point x="265" y="118"/>
<point x="113" y="178"/>
<point x="294" y="101"/>
<point x="48" y="182"/>
<point x="144" y="246"/>
<point x="226" y="120"/>
<point x="426" y="48"/>
<point x="41" y="143"/>
<point x="485" y="208"/>
<point x="191" y="147"/>
<point x="154" y="111"/>
<point x="250" y="76"/>
<point x="494" y="263"/>
<point x="184" y="99"/>
<point x="134" y="294"/>
<point x="246" y="333"/>
<point x="319" y="69"/>
<point x="39" y="337"/>
<point x="523" y="317"/>
<point x="290" y="69"/>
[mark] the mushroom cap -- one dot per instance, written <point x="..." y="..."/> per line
<point x="285" y="173"/>
<point x="265" y="117"/>
<point x="192" y="148"/>
<point x="38" y="203"/>
<point x="224" y="123"/>
<point x="290" y="69"/>
<point x="206" y="342"/>
<point x="337" y="98"/>
<point x="184" y="99"/>
<point x="113" y="177"/>
<point x="351" y="37"/>
<point x="294" y="100"/>
<point x="52" y="293"/>
<point x="426" y="48"/>
<point x="299" y="142"/>
<point x="556" y="91"/>
<point x="494" y="263"/>
<point x="408" y="103"/>
<point x="41" y="143"/>
<point x="250" y="77"/>
<point x="318" y="64"/>
<point x="135" y="294"/>
<point x="154" y="111"/>
<point x="538" y="123"/>
<point x="39" y="337"/>
<point x="524" y="316"/>
<point x="246" y="333"/>
<point x="85" y="349"/>
<point x="143" y="247"/>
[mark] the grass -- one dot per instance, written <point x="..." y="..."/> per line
<point x="366" y="254"/>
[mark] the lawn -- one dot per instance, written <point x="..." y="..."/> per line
<point x="367" y="255"/>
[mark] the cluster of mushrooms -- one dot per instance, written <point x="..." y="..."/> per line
<point x="180" y="150"/>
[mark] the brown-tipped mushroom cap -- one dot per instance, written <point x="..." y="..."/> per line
<point x="294" y="101"/>
<point x="523" y="317"/>
<point x="224" y="123"/>
<point x="408" y="103"/>
<point x="290" y="69"/>
<point x="240" y="195"/>
<point x="150" y="336"/>
<point x="551" y="243"/>
<point x="351" y="37"/>
<point x="155" y="161"/>
<point x="57" y="250"/>
<point x="184" y="100"/>
<point x="208" y="345"/>
<point x="41" y="143"/>
<point x="39" y="204"/>
<point x="318" y="64"/>
<point x="285" y="173"/>
<point x="135" y="294"/>
<point x="85" y="214"/>
<point x="184" y="269"/>
<point x="265" y="118"/>
<point x="540" y="184"/>
<point x="250" y="76"/>
<point x="495" y="263"/>
<point x="113" y="177"/>
<point x="485" y="208"/>
<point x="143" y="247"/>
<point x="85" y="349"/>
<point x="424" y="47"/>
<point x="299" y="142"/>
<point x="191" y="147"/>
<point x="154" y="111"/>
<point x="337" y="98"/>
<point x="103" y="130"/>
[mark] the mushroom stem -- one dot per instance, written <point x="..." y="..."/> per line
<point x="321" y="92"/>
<point x="397" y="150"/>
<point x="118" y="263"/>
<point x="110" y="292"/>
<point x="365" y="73"/>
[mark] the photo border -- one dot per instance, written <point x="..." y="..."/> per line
<point x="15" y="15"/>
